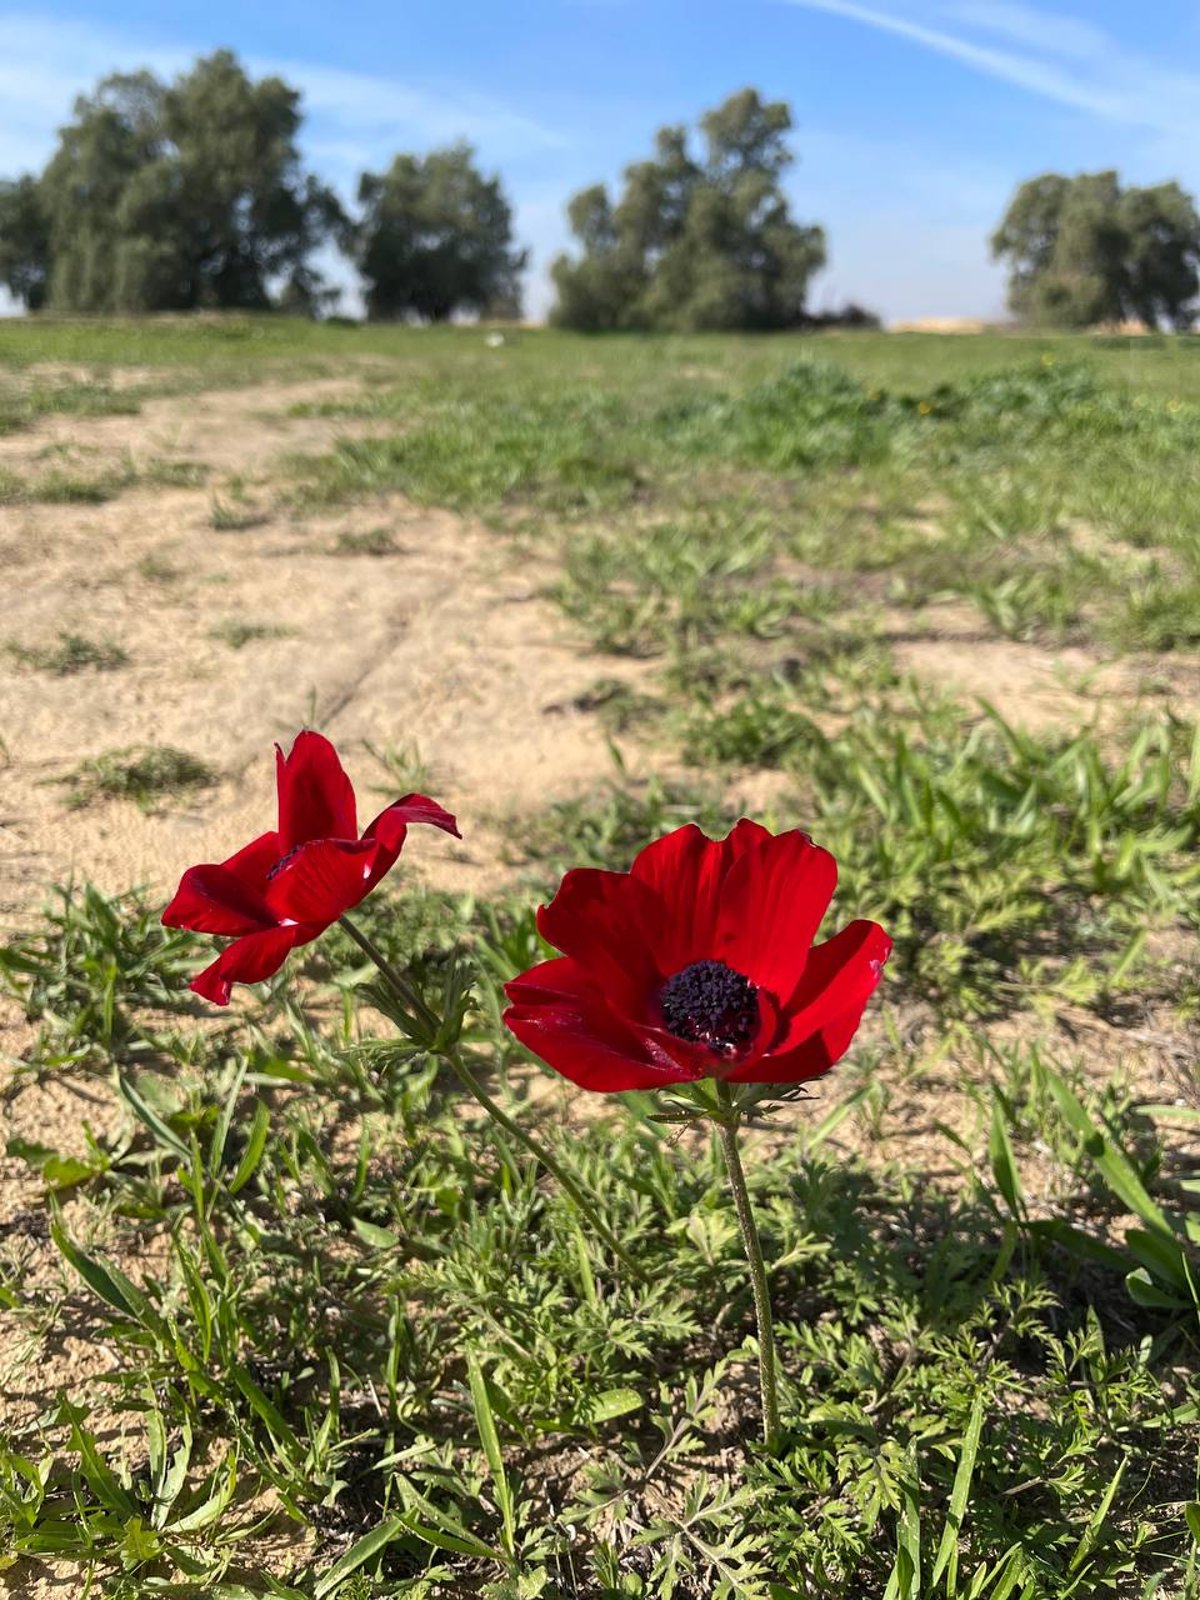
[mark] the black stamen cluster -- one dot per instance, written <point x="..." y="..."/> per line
<point x="709" y="1003"/>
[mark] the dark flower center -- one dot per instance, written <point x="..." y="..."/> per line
<point x="709" y="1003"/>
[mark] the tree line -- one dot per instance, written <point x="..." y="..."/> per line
<point x="193" y="194"/>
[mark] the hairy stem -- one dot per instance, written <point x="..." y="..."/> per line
<point x="396" y="979"/>
<point x="727" y="1129"/>
<point x="453" y="1058"/>
<point x="540" y="1153"/>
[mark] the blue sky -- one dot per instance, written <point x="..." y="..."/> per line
<point x="914" y="119"/>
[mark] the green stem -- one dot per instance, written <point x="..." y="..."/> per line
<point x="398" y="981"/>
<point x="540" y="1153"/>
<point x="727" y="1128"/>
<point x="453" y="1057"/>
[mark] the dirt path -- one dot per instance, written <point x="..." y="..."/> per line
<point x="440" y="649"/>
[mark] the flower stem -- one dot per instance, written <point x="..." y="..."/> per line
<point x="453" y="1057"/>
<point x="398" y="981"/>
<point x="727" y="1128"/>
<point x="540" y="1153"/>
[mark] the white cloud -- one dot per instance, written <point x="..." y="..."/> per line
<point x="1042" y="30"/>
<point x="365" y="117"/>
<point x="397" y="112"/>
<point x="1101" y="77"/>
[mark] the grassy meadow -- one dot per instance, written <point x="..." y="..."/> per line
<point x="344" y="1341"/>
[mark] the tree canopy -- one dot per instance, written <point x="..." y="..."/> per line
<point x="436" y="237"/>
<point x="694" y="242"/>
<point x="1085" y="250"/>
<point x="169" y="197"/>
<point x="24" y="242"/>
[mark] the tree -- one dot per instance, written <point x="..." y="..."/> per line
<point x="170" y="197"/>
<point x="436" y="238"/>
<point x="1083" y="250"/>
<point x="694" y="244"/>
<point x="24" y="242"/>
<point x="1162" y="254"/>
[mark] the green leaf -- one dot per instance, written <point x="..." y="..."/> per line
<point x="438" y="1527"/>
<point x="1144" y="1291"/>
<point x="216" y="1154"/>
<point x="266" y="1411"/>
<point x="1163" y="1258"/>
<point x="223" y="1482"/>
<point x="378" y="1238"/>
<point x="960" y="1494"/>
<point x="905" y="1580"/>
<point x="256" y="1143"/>
<point x="1004" y="1166"/>
<point x="1098" y="1519"/>
<point x="149" y="1118"/>
<point x="490" y="1439"/>
<point x="360" y="1551"/>
<point x="612" y="1403"/>
<point x="1110" y="1160"/>
<point x="112" y="1286"/>
<point x="59" y="1171"/>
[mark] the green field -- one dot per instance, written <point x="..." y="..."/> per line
<point x="936" y="600"/>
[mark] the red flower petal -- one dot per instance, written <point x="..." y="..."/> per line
<point x="316" y="798"/>
<point x="550" y="981"/>
<point x="811" y="1059"/>
<point x="841" y="976"/>
<point x="613" y="926"/>
<point x="322" y="879"/>
<point x="248" y="960"/>
<point x="561" y="1018"/>
<point x="253" y="863"/>
<point x="687" y="871"/>
<point x="772" y="903"/>
<point x="390" y="826"/>
<point x="211" y="899"/>
<point x="840" y="972"/>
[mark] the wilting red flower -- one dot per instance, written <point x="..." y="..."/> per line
<point x="698" y="962"/>
<point x="286" y="887"/>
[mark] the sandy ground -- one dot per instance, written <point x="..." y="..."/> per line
<point x="442" y="649"/>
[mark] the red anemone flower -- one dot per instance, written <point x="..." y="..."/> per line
<point x="698" y="962"/>
<point x="285" y="888"/>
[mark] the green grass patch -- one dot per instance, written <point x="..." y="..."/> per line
<point x="373" y="1314"/>
<point x="146" y="774"/>
<point x="237" y="633"/>
<point x="73" y="653"/>
<point x="368" y="542"/>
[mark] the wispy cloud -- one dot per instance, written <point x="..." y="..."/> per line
<point x="1064" y="60"/>
<point x="366" y="117"/>
<point x="388" y="109"/>
<point x="1039" y="30"/>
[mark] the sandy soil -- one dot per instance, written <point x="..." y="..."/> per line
<point x="442" y="649"/>
<point x="1038" y="687"/>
